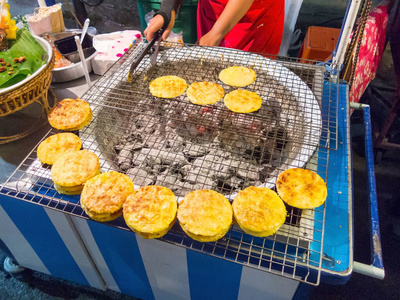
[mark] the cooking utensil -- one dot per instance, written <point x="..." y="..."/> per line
<point x="82" y="56"/>
<point x="84" y="29"/>
<point x="153" y="58"/>
<point x="157" y="37"/>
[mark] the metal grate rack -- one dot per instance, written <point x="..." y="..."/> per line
<point x="296" y="127"/>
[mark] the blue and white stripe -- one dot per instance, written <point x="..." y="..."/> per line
<point x="45" y="240"/>
<point x="152" y="269"/>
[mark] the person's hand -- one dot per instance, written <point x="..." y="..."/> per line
<point x="156" y="24"/>
<point x="210" y="39"/>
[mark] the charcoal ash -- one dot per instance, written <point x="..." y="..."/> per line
<point x="233" y="152"/>
<point x="140" y="176"/>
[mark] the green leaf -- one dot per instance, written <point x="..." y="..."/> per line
<point x="35" y="57"/>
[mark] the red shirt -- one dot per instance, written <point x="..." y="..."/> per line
<point x="260" y="29"/>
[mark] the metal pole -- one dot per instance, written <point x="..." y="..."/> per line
<point x="80" y="10"/>
<point x="351" y="16"/>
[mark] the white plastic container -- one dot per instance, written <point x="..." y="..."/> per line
<point x="111" y="47"/>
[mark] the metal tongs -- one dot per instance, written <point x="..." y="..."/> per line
<point x="153" y="58"/>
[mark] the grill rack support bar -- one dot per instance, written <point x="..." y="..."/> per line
<point x="376" y="269"/>
<point x="345" y="32"/>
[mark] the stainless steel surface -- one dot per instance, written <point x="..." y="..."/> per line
<point x="74" y="71"/>
<point x="131" y="128"/>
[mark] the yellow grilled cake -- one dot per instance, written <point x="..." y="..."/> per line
<point x="73" y="190"/>
<point x="167" y="86"/>
<point x="205" y="215"/>
<point x="204" y="93"/>
<point x="259" y="211"/>
<point x="301" y="188"/>
<point x="70" y="114"/>
<point x="72" y="169"/>
<point x="103" y="196"/>
<point x="54" y="146"/>
<point x="150" y="211"/>
<point x="237" y="76"/>
<point x="242" y="101"/>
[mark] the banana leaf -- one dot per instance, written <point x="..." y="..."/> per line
<point x="35" y="56"/>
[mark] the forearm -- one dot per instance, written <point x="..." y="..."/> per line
<point x="169" y="8"/>
<point x="233" y="12"/>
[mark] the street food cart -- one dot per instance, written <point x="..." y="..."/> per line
<point x="304" y="122"/>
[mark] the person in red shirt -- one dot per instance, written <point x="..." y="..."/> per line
<point x="250" y="25"/>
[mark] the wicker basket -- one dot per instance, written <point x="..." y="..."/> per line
<point x="34" y="90"/>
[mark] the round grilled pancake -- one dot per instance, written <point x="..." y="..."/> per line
<point x="75" y="168"/>
<point x="259" y="211"/>
<point x="54" y="146"/>
<point x="301" y="188"/>
<point x="84" y="123"/>
<point x="205" y="215"/>
<point x="103" y="195"/>
<point x="242" y="101"/>
<point x="168" y="86"/>
<point x="150" y="211"/>
<point x="237" y="76"/>
<point x="70" y="114"/>
<point x="204" y="93"/>
<point x="74" y="190"/>
<point x="71" y="190"/>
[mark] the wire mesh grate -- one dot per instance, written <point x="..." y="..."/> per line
<point x="182" y="146"/>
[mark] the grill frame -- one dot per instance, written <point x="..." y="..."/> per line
<point x="288" y="253"/>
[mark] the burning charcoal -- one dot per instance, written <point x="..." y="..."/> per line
<point x="154" y="141"/>
<point x="265" y="172"/>
<point x="193" y="175"/>
<point x="200" y="176"/>
<point x="249" y="171"/>
<point x="176" y="144"/>
<point x="185" y="169"/>
<point x="156" y="169"/>
<point x="206" y="182"/>
<point x="193" y="150"/>
<point x="155" y="156"/>
<point x="141" y="158"/>
<point x="139" y="176"/>
<point x="124" y="159"/>
<point x="222" y="170"/>
<point x="234" y="182"/>
<point x="189" y="147"/>
<point x="166" y="180"/>
<point x="129" y="146"/>
<point x="152" y="156"/>
<point x="205" y="162"/>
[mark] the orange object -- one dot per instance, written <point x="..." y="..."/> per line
<point x="319" y="43"/>
<point x="7" y="23"/>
